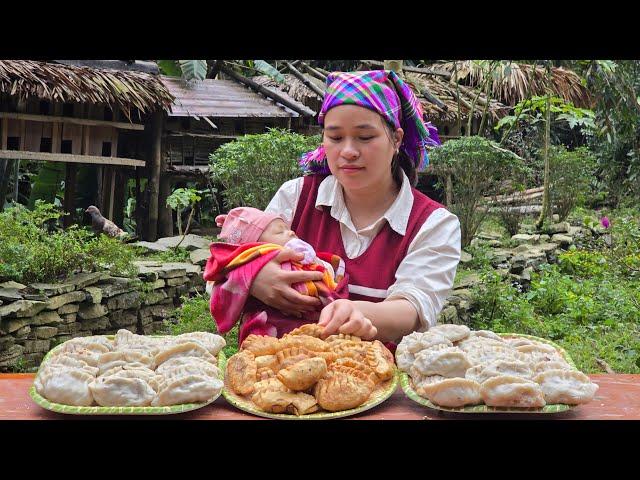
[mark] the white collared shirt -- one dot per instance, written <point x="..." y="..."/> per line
<point x="425" y="276"/>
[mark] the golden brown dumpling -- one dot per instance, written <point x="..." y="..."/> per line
<point x="260" y="345"/>
<point x="380" y="360"/>
<point x="310" y="329"/>
<point x="289" y="356"/>
<point x="303" y="341"/>
<point x="242" y="372"/>
<point x="342" y="391"/>
<point x="275" y="401"/>
<point x="304" y="374"/>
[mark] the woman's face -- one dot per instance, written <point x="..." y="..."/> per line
<point x="359" y="146"/>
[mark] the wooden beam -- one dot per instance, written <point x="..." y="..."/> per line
<point x="264" y="91"/>
<point x="69" y="158"/>
<point x="77" y="121"/>
<point x="296" y="73"/>
<point x="433" y="99"/>
<point x="201" y="135"/>
<point x="69" y="193"/>
<point x="112" y="192"/>
<point x="5" y="131"/>
<point x="155" y="160"/>
<point x="314" y="72"/>
<point x="425" y="71"/>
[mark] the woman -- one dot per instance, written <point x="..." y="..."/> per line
<point x="401" y="248"/>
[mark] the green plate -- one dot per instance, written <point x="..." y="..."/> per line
<point x="405" y="382"/>
<point x="76" y="410"/>
<point x="379" y="395"/>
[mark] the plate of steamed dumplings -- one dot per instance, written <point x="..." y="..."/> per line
<point x="130" y="374"/>
<point x="302" y="376"/>
<point x="453" y="368"/>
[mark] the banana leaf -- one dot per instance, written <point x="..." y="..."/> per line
<point x="193" y="69"/>
<point x="268" y="70"/>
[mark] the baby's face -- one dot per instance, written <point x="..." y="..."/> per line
<point x="277" y="232"/>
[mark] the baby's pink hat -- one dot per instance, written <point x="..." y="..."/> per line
<point x="244" y="224"/>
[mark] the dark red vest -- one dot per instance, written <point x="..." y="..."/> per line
<point x="376" y="267"/>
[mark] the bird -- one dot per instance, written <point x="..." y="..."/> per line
<point x="104" y="225"/>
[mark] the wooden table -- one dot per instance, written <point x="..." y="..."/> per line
<point x="618" y="398"/>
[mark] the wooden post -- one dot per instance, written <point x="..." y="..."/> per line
<point x="154" y="161"/>
<point x="69" y="193"/>
<point x="112" y="192"/>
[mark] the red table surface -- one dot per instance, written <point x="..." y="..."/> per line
<point x="618" y="398"/>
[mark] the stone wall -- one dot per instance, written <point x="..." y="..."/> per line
<point x="530" y="252"/>
<point x="34" y="318"/>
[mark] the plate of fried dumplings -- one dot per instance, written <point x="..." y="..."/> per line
<point x="130" y="374"/>
<point x="455" y="369"/>
<point x="302" y="376"/>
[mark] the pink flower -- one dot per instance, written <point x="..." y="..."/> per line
<point x="604" y="221"/>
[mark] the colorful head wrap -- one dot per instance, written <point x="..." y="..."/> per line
<point x="385" y="93"/>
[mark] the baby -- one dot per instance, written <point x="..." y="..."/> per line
<point x="251" y="239"/>
<point x="247" y="225"/>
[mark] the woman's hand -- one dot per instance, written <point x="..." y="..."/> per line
<point x="344" y="316"/>
<point x="272" y="286"/>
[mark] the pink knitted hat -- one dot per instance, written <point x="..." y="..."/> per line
<point x="244" y="224"/>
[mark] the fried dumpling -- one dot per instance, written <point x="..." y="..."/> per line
<point x="119" y="391"/>
<point x="303" y="341"/>
<point x="454" y="333"/>
<point x="268" y="361"/>
<point x="304" y="374"/>
<point x="380" y="360"/>
<point x="566" y="386"/>
<point x="212" y="342"/>
<point x="482" y="372"/>
<point x="342" y="337"/>
<point x="270" y="384"/>
<point x="265" y="373"/>
<point x="290" y="356"/>
<point x="510" y="391"/>
<point x="68" y="386"/>
<point x="109" y="360"/>
<point x="189" y="349"/>
<point x="448" y="362"/>
<point x="241" y="372"/>
<point x="452" y="392"/>
<point x="260" y="345"/>
<point x="350" y="348"/>
<point x="275" y="401"/>
<point x="342" y="391"/>
<point x="188" y="389"/>
<point x="310" y="329"/>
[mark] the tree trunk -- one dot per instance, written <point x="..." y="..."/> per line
<point x="154" y="161"/>
<point x="5" y="177"/>
<point x="545" y="196"/>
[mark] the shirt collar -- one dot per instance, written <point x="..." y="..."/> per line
<point x="330" y="194"/>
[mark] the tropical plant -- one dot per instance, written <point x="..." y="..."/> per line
<point x="479" y="168"/>
<point x="571" y="173"/>
<point x="181" y="199"/>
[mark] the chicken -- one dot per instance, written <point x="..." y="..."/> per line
<point x="104" y="225"/>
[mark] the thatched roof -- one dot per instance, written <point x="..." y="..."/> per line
<point x="514" y="80"/>
<point x="446" y="110"/>
<point x="67" y="83"/>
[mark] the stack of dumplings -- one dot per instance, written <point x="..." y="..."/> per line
<point x="133" y="370"/>
<point x="301" y="374"/>
<point x="453" y="367"/>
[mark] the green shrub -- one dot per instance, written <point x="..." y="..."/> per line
<point x="479" y="168"/>
<point x="194" y="316"/>
<point x="570" y="176"/>
<point x="34" y="249"/>
<point x="252" y="168"/>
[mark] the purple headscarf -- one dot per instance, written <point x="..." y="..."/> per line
<point x="385" y="93"/>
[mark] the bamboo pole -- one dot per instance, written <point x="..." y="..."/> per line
<point x="425" y="71"/>
<point x="296" y="73"/>
<point x="264" y="91"/>
<point x="314" y="72"/>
